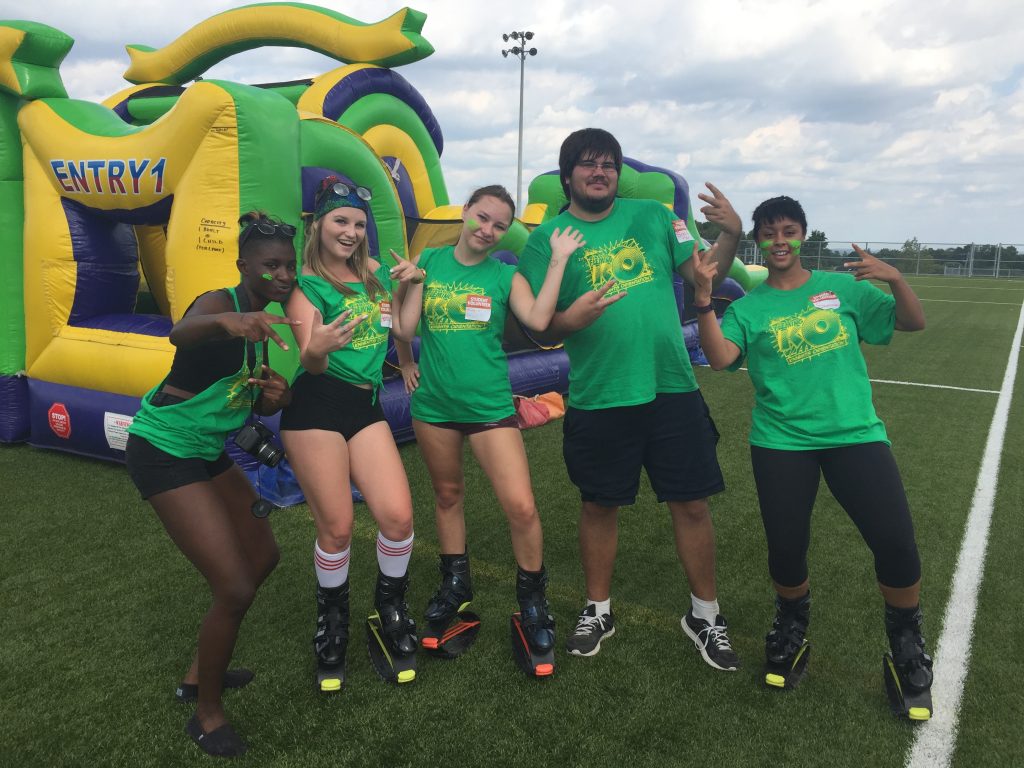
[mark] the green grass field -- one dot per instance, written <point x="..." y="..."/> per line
<point x="100" y="611"/>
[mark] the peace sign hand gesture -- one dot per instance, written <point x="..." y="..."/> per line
<point x="405" y="271"/>
<point x="871" y="267"/>
<point x="705" y="269"/>
<point x="256" y="326"/>
<point x="720" y="211"/>
<point x="324" y="339"/>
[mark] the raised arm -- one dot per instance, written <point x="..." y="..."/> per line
<point x="909" y="312"/>
<point x="406" y="298"/>
<point x="316" y="340"/>
<point x="720" y="211"/>
<point x="536" y="313"/>
<point x="212" y="316"/>
<point x="720" y="352"/>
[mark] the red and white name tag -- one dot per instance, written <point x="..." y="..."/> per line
<point x="478" y="308"/>
<point x="385" y="314"/>
<point x="825" y="300"/>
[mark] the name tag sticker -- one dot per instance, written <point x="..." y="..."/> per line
<point x="682" y="233"/>
<point x="478" y="308"/>
<point x="385" y="314"/>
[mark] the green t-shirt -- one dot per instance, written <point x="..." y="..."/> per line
<point x="198" y="426"/>
<point x="802" y="346"/>
<point x="463" y="369"/>
<point x="635" y="350"/>
<point x="361" y="361"/>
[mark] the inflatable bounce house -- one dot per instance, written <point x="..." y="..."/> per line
<point x="115" y="216"/>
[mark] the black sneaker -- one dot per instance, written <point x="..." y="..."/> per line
<point x="712" y="641"/>
<point x="591" y="629"/>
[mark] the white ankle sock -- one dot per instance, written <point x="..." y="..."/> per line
<point x="602" y="606"/>
<point x="705" y="609"/>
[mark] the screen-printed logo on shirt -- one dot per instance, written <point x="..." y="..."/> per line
<point x="624" y="260"/>
<point x="370" y="332"/>
<point x="456" y="307"/>
<point x="808" y="334"/>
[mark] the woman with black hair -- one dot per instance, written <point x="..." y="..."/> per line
<point x="175" y="456"/>
<point x="800" y="333"/>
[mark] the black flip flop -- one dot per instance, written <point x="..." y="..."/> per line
<point x="220" y="742"/>
<point x="233" y="678"/>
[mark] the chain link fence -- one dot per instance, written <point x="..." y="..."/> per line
<point x="912" y="257"/>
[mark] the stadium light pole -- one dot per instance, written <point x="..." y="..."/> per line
<point x="521" y="51"/>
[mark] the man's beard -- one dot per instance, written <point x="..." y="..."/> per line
<point x="594" y="205"/>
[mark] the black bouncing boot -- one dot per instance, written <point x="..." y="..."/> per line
<point x="907" y="668"/>
<point x="533" y="626"/>
<point x="786" y="648"/>
<point x="331" y="639"/>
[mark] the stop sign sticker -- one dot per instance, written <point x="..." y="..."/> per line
<point x="60" y="422"/>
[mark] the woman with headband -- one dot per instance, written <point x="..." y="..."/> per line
<point x="335" y="433"/>
<point x="175" y="456"/>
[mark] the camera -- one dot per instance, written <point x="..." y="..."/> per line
<point x="258" y="441"/>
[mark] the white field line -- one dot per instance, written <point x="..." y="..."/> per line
<point x="1015" y="287"/>
<point x="935" y="740"/>
<point x="966" y="301"/>
<point x="934" y="386"/>
<point x="919" y="384"/>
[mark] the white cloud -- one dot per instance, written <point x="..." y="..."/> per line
<point x="874" y="113"/>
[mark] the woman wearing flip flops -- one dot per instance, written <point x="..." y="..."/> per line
<point x="175" y="456"/>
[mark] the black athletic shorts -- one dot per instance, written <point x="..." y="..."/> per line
<point x="474" y="428"/>
<point x="672" y="437"/>
<point x="154" y="471"/>
<point x="320" y="401"/>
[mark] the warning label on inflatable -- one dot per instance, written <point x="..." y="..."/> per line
<point x="115" y="428"/>
<point x="60" y="421"/>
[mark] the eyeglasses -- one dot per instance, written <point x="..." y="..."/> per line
<point x="590" y="165"/>
<point x="265" y="226"/>
<point x="341" y="189"/>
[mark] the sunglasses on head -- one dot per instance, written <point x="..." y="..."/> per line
<point x="341" y="189"/>
<point x="265" y="226"/>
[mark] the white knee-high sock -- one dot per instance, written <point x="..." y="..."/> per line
<point x="331" y="568"/>
<point x="393" y="556"/>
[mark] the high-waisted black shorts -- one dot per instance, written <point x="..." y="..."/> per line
<point x="320" y="401"/>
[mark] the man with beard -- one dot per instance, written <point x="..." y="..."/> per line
<point x="633" y="398"/>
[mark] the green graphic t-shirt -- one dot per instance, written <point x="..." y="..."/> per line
<point x="361" y="361"/>
<point x="198" y="426"/>
<point x="802" y="347"/>
<point x="463" y="369"/>
<point x="635" y="350"/>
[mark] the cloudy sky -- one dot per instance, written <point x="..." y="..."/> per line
<point x="888" y="120"/>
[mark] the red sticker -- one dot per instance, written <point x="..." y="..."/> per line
<point x="60" y="421"/>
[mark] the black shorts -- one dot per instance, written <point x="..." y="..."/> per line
<point x="474" y="428"/>
<point x="154" y="471"/>
<point x="320" y="401"/>
<point x="672" y="437"/>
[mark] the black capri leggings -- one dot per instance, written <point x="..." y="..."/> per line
<point x="864" y="479"/>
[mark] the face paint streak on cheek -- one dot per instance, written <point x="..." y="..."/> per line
<point x="765" y="245"/>
<point x="472" y="225"/>
<point x="795" y="246"/>
<point x="267" y="276"/>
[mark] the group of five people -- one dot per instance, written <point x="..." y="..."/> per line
<point x="599" y="278"/>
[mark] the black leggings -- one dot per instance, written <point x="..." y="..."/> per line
<point x="864" y="480"/>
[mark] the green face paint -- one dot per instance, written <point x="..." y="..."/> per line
<point x="267" y="276"/>
<point x="472" y="225"/>
<point x="794" y="245"/>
